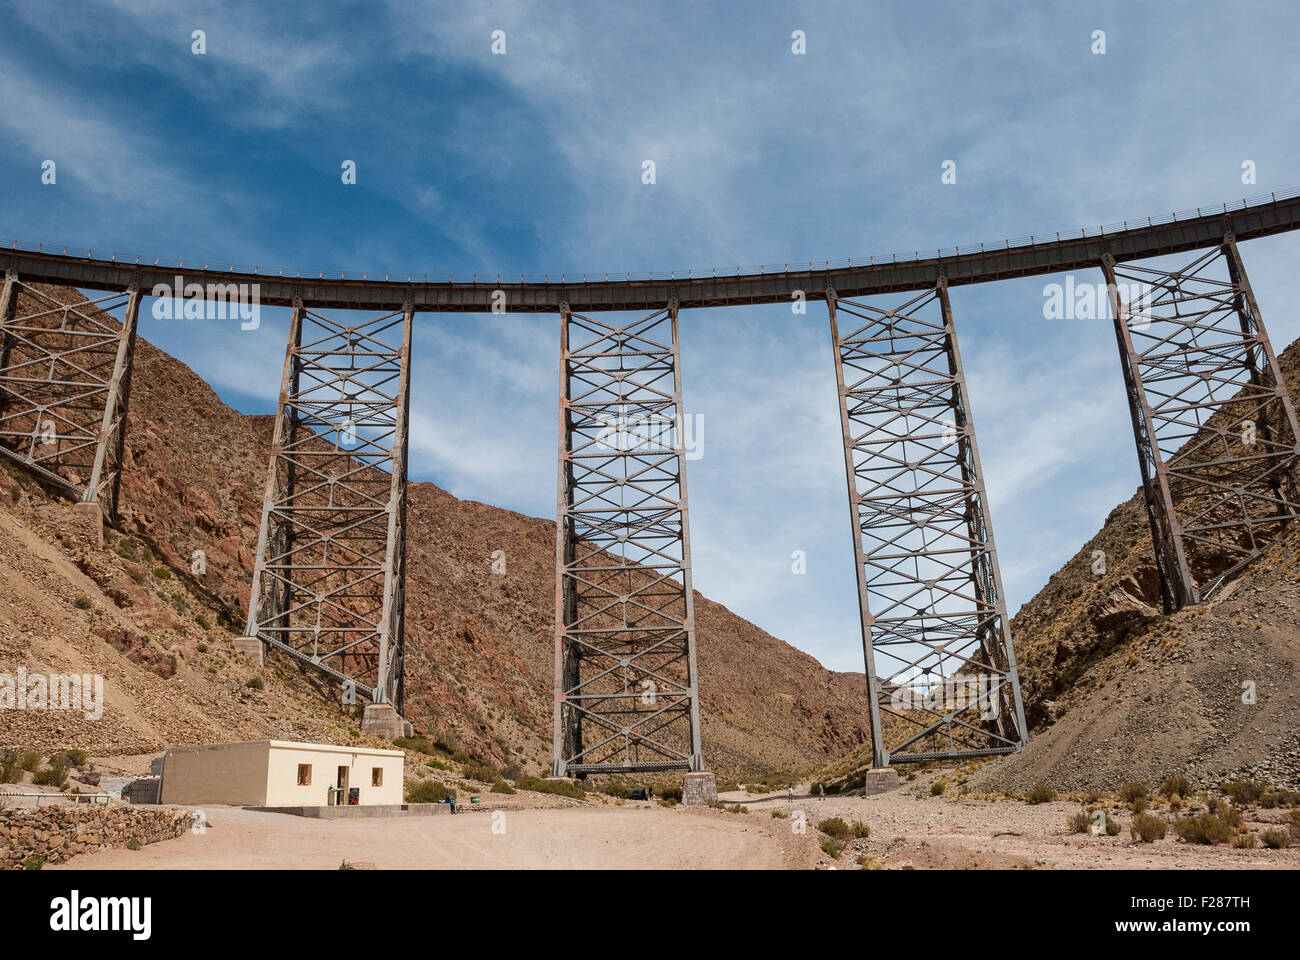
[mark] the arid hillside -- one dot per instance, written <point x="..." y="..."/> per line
<point x="1116" y="691"/>
<point x="479" y="645"/>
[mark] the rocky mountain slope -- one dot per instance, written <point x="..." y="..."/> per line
<point x="479" y="645"/>
<point x="1116" y="691"/>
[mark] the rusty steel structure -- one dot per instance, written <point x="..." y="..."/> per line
<point x="1215" y="430"/>
<point x="1215" y="427"/>
<point x="626" y="687"/>
<point x="65" y="380"/>
<point x="941" y="670"/>
<point x="329" y="576"/>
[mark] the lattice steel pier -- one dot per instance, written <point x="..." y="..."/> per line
<point x="626" y="696"/>
<point x="941" y="671"/>
<point x="330" y="563"/>
<point x="1215" y="427"/>
<point x="65" y="376"/>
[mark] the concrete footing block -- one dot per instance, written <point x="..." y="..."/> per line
<point x="699" y="787"/>
<point x="383" y="720"/>
<point x="252" y="647"/>
<point x="880" y="780"/>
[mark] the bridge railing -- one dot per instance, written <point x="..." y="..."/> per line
<point x="496" y="279"/>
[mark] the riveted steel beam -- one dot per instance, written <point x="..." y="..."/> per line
<point x="626" y="689"/>
<point x="65" y="373"/>
<point x="329" y="573"/>
<point x="920" y="270"/>
<point x="1214" y="425"/>
<point x="941" y="669"/>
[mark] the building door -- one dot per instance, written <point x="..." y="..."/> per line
<point x="342" y="796"/>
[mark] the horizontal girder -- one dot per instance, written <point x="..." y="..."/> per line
<point x="1032" y="256"/>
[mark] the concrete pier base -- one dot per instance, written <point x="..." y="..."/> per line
<point x="383" y="720"/>
<point x="880" y="780"/>
<point x="252" y="647"/>
<point x="699" y="787"/>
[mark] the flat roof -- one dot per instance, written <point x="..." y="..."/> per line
<point x="293" y="745"/>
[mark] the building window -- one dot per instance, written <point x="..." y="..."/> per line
<point x="304" y="774"/>
<point x="376" y="776"/>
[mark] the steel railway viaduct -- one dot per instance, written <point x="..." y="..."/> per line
<point x="1215" y="431"/>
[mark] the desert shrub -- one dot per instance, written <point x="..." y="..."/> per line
<point x="56" y="775"/>
<point x="34" y="862"/>
<point x="1243" y="791"/>
<point x="82" y="603"/>
<point x="1111" y="827"/>
<point x="162" y="573"/>
<point x="10" y="771"/>
<point x="478" y="770"/>
<point x="1276" y="839"/>
<point x="835" y="827"/>
<point x="1040" y="794"/>
<point x="133" y="844"/>
<point x="860" y="830"/>
<point x="1175" y="786"/>
<point x="1278" y="798"/>
<point x="1226" y="812"/>
<point x="29" y="760"/>
<point x="561" y="787"/>
<point x="671" y="792"/>
<point x="447" y="743"/>
<point x="426" y="791"/>
<point x="1146" y="828"/>
<point x="870" y="862"/>
<point x="831" y="848"/>
<point x="255" y="683"/>
<point x="512" y="770"/>
<point x="202" y="648"/>
<point x="346" y="866"/>
<point x="72" y="757"/>
<point x="418" y="744"/>
<point x="1206" y="829"/>
<point x="1245" y="841"/>
<point x="1134" y="791"/>
<point x="1079" y="822"/>
<point x="734" y="808"/>
<point x="937" y="788"/>
<point x="500" y="786"/>
<point x="779" y="815"/>
<point x="203" y="622"/>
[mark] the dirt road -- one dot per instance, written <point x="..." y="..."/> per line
<point x="609" y="838"/>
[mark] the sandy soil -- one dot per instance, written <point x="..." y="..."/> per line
<point x="609" y="837"/>
<point x="911" y="832"/>
<point x="907" y="832"/>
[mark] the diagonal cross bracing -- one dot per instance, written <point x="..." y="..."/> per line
<point x="1215" y="427"/>
<point x="328" y="580"/>
<point x="941" y="670"/>
<point x="65" y="373"/>
<point x="626" y="696"/>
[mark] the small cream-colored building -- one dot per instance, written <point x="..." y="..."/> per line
<point x="281" y="773"/>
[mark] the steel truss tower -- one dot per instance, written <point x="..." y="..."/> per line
<point x="626" y="695"/>
<point x="1215" y="428"/>
<point x="941" y="672"/>
<point x="328" y="583"/>
<point x="65" y="376"/>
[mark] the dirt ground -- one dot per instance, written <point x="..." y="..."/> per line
<point x="907" y="832"/>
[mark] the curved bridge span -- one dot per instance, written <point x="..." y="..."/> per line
<point x="1031" y="256"/>
<point x="1214" y="427"/>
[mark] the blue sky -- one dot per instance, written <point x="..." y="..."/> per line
<point x="530" y="162"/>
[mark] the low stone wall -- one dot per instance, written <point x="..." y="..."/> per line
<point x="61" y="832"/>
